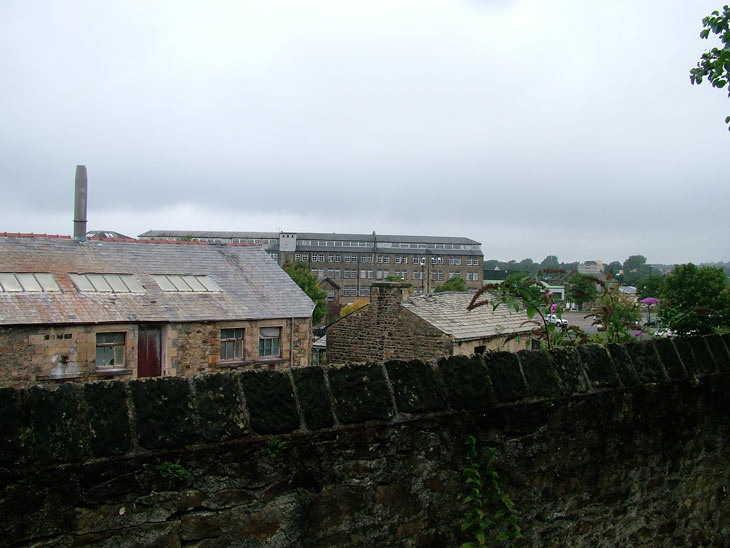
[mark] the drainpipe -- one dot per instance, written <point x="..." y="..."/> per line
<point x="291" y="343"/>
<point x="80" y="204"/>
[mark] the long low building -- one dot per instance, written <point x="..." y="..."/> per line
<point x="83" y="310"/>
<point x="353" y="262"/>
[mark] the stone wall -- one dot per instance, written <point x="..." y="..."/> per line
<point x="29" y="354"/>
<point x="597" y="446"/>
<point x="384" y="330"/>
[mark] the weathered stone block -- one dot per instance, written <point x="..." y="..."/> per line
<point x="644" y="357"/>
<point x="704" y="360"/>
<point x="163" y="412"/>
<point x="542" y="380"/>
<point x="670" y="358"/>
<point x="360" y="393"/>
<point x="58" y="428"/>
<point x="313" y="398"/>
<point x="270" y="401"/>
<point x="415" y="387"/>
<point x="622" y="363"/>
<point x="504" y="371"/>
<point x="107" y="412"/>
<point x="12" y="427"/>
<point x="719" y="352"/>
<point x="220" y="409"/>
<point x="598" y="366"/>
<point x="684" y="348"/>
<point x="567" y="365"/>
<point x="467" y="383"/>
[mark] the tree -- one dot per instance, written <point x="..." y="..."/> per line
<point x="634" y="268"/>
<point x="551" y="261"/>
<point x="582" y="289"/>
<point x="614" y="268"/>
<point x="651" y="286"/>
<point x="695" y="300"/>
<point x="452" y="284"/>
<point x="350" y="308"/>
<point x="715" y="64"/>
<point x="307" y="281"/>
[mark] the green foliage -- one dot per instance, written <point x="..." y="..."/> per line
<point x="618" y="314"/>
<point x="715" y="63"/>
<point x="582" y="289"/>
<point x="307" y="281"/>
<point x="350" y="308"/>
<point x="485" y="496"/>
<point x="695" y="300"/>
<point x="520" y="291"/>
<point x="172" y="471"/>
<point x="452" y="284"/>
<point x="650" y="286"/>
<point x="273" y="447"/>
<point x="635" y="267"/>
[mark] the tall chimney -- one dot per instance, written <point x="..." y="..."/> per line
<point x="80" y="204"/>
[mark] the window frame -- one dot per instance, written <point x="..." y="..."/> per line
<point x="119" y="349"/>
<point x="273" y="342"/>
<point x="235" y="341"/>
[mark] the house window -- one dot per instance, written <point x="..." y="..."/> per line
<point x="330" y="295"/>
<point x="333" y="258"/>
<point x="437" y="275"/>
<point x="110" y="350"/>
<point x="269" y="342"/>
<point x="402" y="274"/>
<point x="350" y="291"/>
<point x="231" y="344"/>
<point x="301" y="257"/>
<point x="454" y="274"/>
<point x="318" y="257"/>
<point x="365" y="291"/>
<point x="418" y="275"/>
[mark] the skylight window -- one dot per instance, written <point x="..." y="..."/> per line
<point x="185" y="283"/>
<point x="33" y="282"/>
<point x="107" y="283"/>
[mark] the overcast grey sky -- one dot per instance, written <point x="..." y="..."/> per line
<point x="567" y="127"/>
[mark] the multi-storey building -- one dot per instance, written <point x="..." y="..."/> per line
<point x="355" y="261"/>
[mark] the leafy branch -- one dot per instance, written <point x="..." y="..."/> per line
<point x="482" y="481"/>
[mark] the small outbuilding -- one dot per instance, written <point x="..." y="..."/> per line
<point x="397" y="325"/>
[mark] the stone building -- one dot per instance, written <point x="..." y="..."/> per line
<point x="84" y="310"/>
<point x="356" y="261"/>
<point x="398" y="325"/>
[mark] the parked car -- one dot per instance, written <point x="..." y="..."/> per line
<point x="553" y="318"/>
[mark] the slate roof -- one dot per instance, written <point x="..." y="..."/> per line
<point x="447" y="312"/>
<point x="253" y="285"/>
<point x="310" y="236"/>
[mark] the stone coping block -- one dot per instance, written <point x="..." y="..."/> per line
<point x="58" y="429"/>
<point x="163" y="409"/>
<point x="313" y="397"/>
<point x="598" y="366"/>
<point x="719" y="352"/>
<point x="360" y="393"/>
<point x="270" y="400"/>
<point x="542" y="379"/>
<point x="415" y="387"/>
<point x="506" y="375"/>
<point x="108" y="418"/>
<point x="220" y="407"/>
<point x="467" y="383"/>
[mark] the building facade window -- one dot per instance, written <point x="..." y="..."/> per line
<point x="333" y="258"/>
<point x="269" y="342"/>
<point x="472" y="261"/>
<point x="472" y="276"/>
<point x="454" y="274"/>
<point x="437" y="260"/>
<point x="418" y="275"/>
<point x="365" y="291"/>
<point x="330" y="295"/>
<point x="350" y="273"/>
<point x="318" y="257"/>
<point x="366" y="274"/>
<point x="383" y="274"/>
<point x="437" y="275"/>
<point x="349" y="291"/>
<point x="384" y="259"/>
<point x="301" y="257"/>
<point x="350" y="258"/>
<point x="110" y="350"/>
<point x="366" y="258"/>
<point x="455" y="261"/>
<point x="231" y="344"/>
<point x="402" y="274"/>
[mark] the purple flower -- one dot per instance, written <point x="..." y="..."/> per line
<point x="550" y="293"/>
<point x="553" y="308"/>
<point x="650" y="301"/>
<point x="637" y="334"/>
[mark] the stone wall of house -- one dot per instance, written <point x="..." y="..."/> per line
<point x="596" y="446"/>
<point x="53" y="354"/>
<point x="383" y="331"/>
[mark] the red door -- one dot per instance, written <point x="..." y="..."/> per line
<point x="149" y="359"/>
